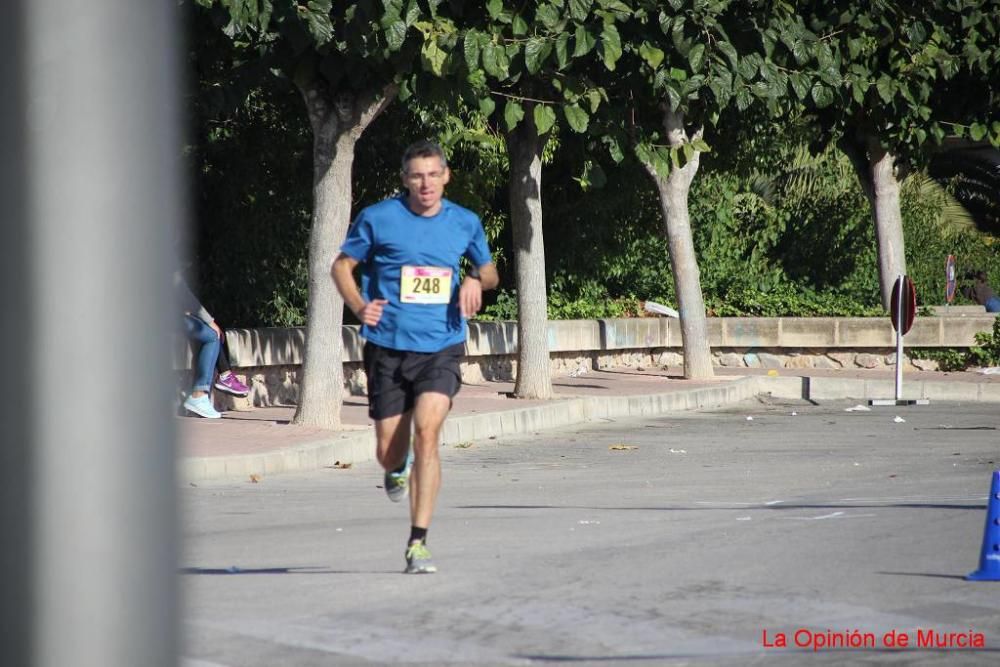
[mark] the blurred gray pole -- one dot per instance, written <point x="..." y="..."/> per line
<point x="103" y="147"/>
<point x="15" y="336"/>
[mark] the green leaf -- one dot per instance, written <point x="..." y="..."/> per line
<point x="886" y="87"/>
<point x="858" y="90"/>
<point x="395" y="35"/>
<point x="688" y="152"/>
<point x="831" y="76"/>
<point x="652" y="55"/>
<point x="405" y="91"/>
<point x="562" y="50"/>
<point x="472" y="50"/>
<point x="577" y="118"/>
<point x="747" y="69"/>
<point x="495" y="8"/>
<point x="433" y="57"/>
<point x="487" y="106"/>
<point x="593" y="176"/>
<point x="800" y="51"/>
<point x="519" y="27"/>
<point x="822" y="95"/>
<point x="495" y="60"/>
<point x="513" y="113"/>
<point x="477" y="79"/>
<point x="611" y="46"/>
<point x="579" y="9"/>
<point x="614" y="148"/>
<point x="536" y="50"/>
<point x="701" y="145"/>
<point x="675" y="157"/>
<point x="545" y="118"/>
<point x="594" y="97"/>
<point x="977" y="132"/>
<point x="696" y="57"/>
<point x="800" y="84"/>
<point x="616" y="6"/>
<point x="743" y="98"/>
<point x="729" y="51"/>
<point x="317" y="15"/>
<point x="548" y="16"/>
<point x="681" y="43"/>
<point x="584" y="42"/>
<point x="673" y="98"/>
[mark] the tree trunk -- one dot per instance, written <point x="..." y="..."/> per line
<point x="524" y="147"/>
<point x="338" y="120"/>
<point x="674" y="191"/>
<point x="876" y="171"/>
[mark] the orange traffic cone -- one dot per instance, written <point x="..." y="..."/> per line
<point x="989" y="561"/>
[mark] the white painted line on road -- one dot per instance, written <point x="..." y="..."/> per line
<point x="835" y="515"/>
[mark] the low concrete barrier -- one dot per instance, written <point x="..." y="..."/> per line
<point x="284" y="347"/>
<point x="269" y="359"/>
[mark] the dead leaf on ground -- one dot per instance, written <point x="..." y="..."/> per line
<point x="254" y="478"/>
<point x="342" y="466"/>
<point x="622" y="448"/>
<point x="463" y="445"/>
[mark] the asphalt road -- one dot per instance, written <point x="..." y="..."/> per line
<point x="694" y="538"/>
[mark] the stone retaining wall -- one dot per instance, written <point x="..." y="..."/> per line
<point x="269" y="359"/>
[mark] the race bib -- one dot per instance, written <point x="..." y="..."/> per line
<point x="425" y="284"/>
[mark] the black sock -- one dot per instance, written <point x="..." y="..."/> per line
<point x="418" y="535"/>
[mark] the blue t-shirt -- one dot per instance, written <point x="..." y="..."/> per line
<point x="387" y="236"/>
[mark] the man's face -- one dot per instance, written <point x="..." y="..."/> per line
<point x="425" y="178"/>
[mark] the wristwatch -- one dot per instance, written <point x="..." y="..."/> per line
<point x="473" y="273"/>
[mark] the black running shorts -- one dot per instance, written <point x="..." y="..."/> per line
<point x="396" y="377"/>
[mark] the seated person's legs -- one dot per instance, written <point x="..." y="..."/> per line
<point x="208" y="353"/>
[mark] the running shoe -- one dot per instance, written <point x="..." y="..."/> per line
<point x="230" y="384"/>
<point x="418" y="559"/>
<point x="397" y="482"/>
<point x="202" y="407"/>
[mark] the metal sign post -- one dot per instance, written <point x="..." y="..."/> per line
<point x="903" y="309"/>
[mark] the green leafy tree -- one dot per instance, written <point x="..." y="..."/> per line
<point x="690" y="63"/>
<point x="889" y="81"/>
<point x="348" y="63"/>
<point x="531" y="68"/>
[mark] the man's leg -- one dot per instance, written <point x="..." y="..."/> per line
<point x="429" y="413"/>
<point x="392" y="440"/>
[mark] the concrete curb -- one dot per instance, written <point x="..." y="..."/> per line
<point x="832" y="388"/>
<point x="356" y="446"/>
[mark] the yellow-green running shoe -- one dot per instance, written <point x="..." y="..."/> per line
<point x="397" y="483"/>
<point x="418" y="559"/>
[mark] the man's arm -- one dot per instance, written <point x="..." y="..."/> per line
<point x="488" y="276"/>
<point x="470" y="295"/>
<point x="342" y="271"/>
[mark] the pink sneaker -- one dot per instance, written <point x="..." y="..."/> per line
<point x="231" y="385"/>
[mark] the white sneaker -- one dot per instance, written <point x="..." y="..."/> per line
<point x="202" y="407"/>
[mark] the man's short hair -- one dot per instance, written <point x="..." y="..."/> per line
<point x="423" y="148"/>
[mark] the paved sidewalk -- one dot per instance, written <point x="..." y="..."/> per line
<point x="263" y="441"/>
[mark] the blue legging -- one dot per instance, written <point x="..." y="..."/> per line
<point x="208" y="352"/>
<point x="993" y="305"/>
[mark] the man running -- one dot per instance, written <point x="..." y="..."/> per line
<point x="412" y="307"/>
